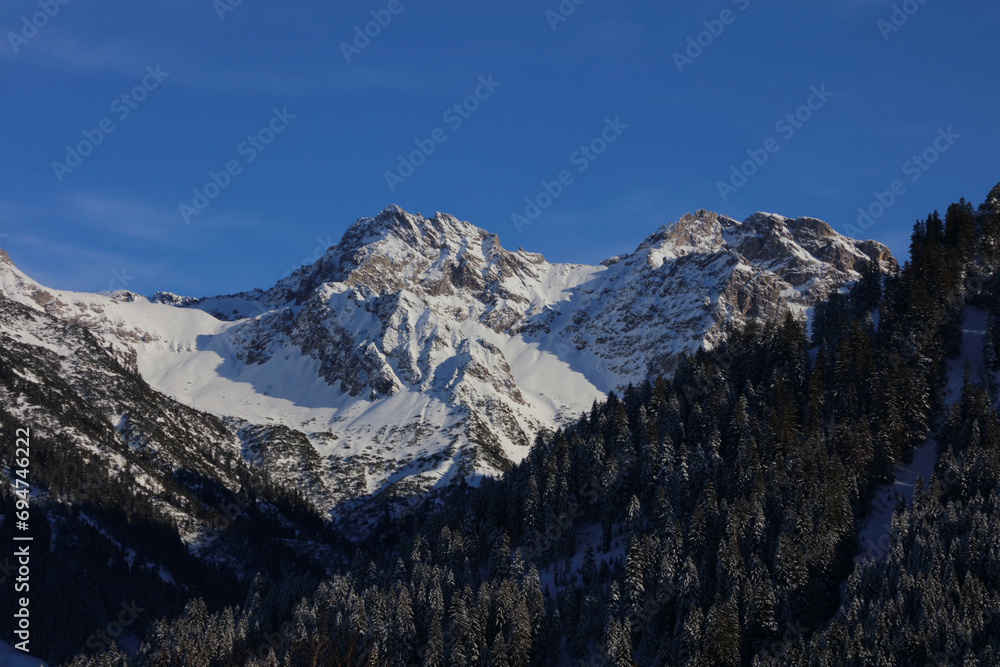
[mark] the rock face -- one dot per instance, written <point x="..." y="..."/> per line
<point x="418" y="350"/>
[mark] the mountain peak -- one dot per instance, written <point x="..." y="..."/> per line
<point x="414" y="230"/>
<point x="797" y="248"/>
<point x="396" y="249"/>
<point x="391" y="218"/>
<point x="5" y="258"/>
<point x="394" y="215"/>
<point x="690" y="230"/>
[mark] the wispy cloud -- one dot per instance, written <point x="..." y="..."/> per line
<point x="126" y="240"/>
<point x="131" y="221"/>
<point x="93" y="269"/>
<point x="71" y="51"/>
<point x="72" y="54"/>
<point x="125" y="218"/>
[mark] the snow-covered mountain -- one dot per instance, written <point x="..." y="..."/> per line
<point x="418" y="350"/>
<point x="100" y="435"/>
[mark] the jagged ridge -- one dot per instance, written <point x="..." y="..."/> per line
<point x="418" y="350"/>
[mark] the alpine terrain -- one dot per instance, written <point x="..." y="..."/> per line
<point x="419" y="350"/>
<point x="744" y="443"/>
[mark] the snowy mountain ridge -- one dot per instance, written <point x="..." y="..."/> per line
<point x="418" y="350"/>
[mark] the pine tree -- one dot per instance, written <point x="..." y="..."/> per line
<point x="722" y="630"/>
<point x="520" y="635"/>
<point x="618" y="643"/>
<point x="635" y="572"/>
<point x="457" y="656"/>
<point x="434" y="650"/>
<point x="498" y="652"/>
<point x="403" y="634"/>
<point x="633" y="517"/>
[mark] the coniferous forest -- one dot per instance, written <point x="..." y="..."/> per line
<point x="714" y="518"/>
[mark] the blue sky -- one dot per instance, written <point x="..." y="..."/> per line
<point x="115" y="219"/>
